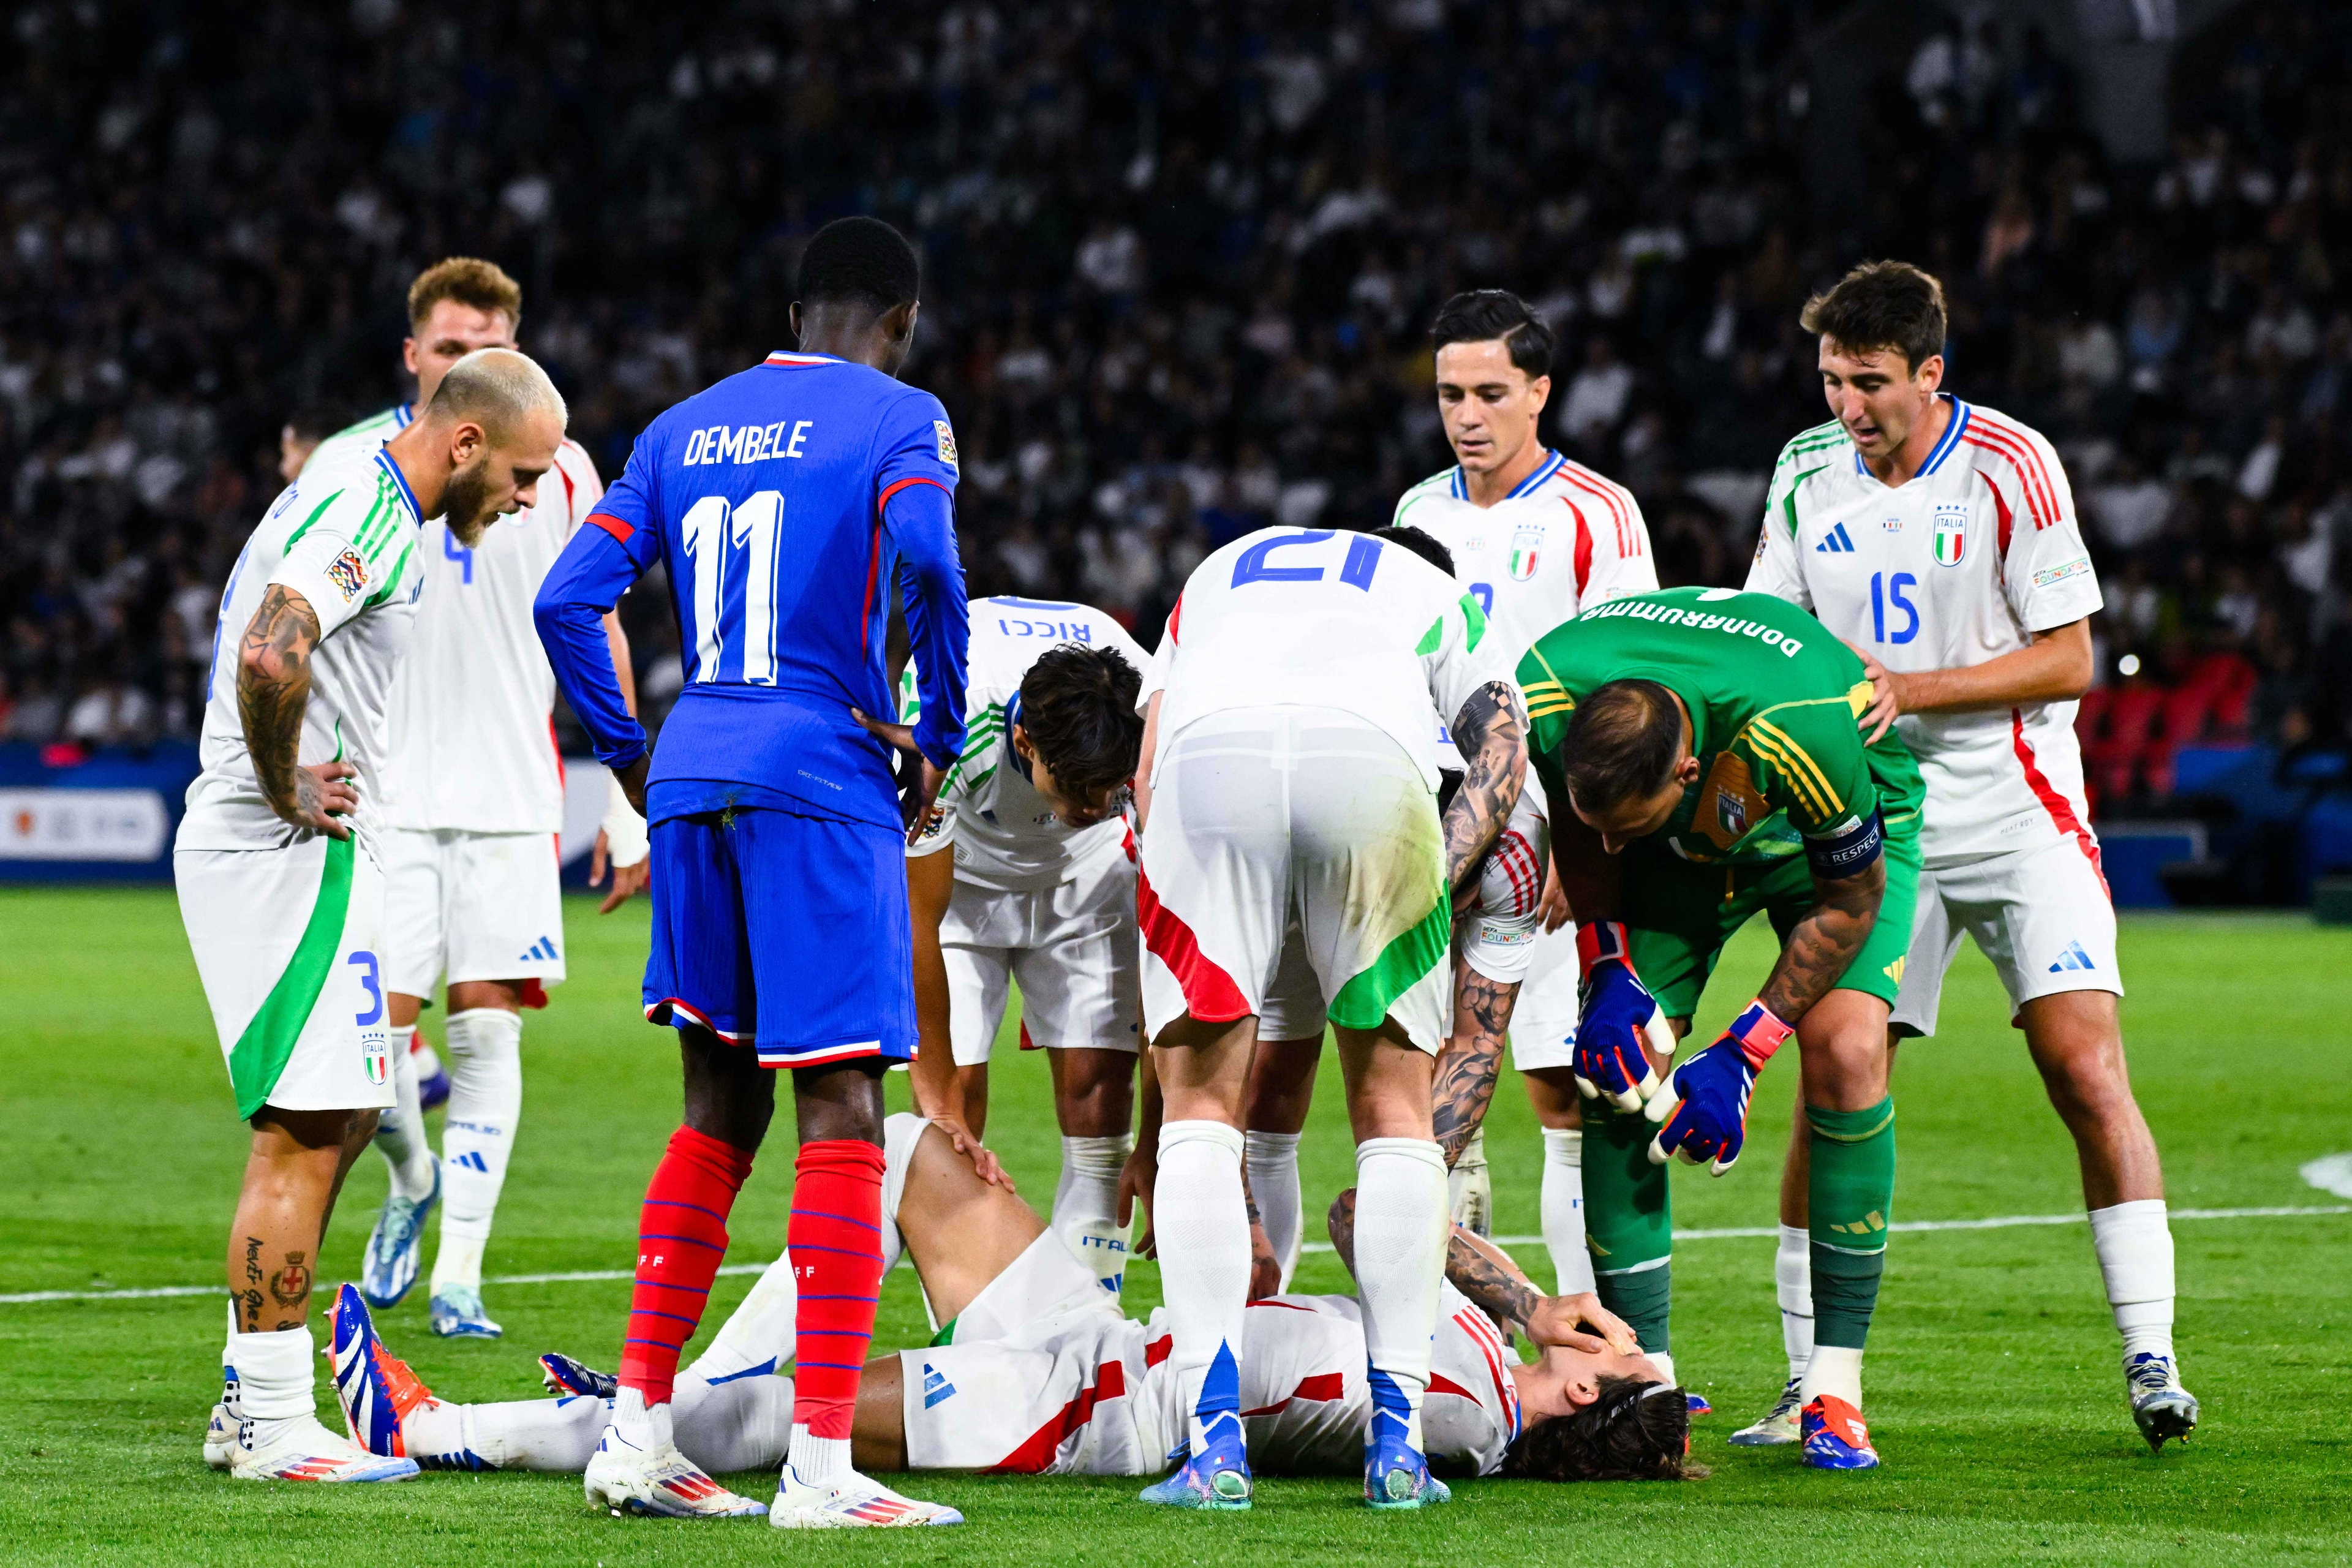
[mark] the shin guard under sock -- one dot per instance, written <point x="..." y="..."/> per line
<point x="1628" y="1222"/>
<point x="836" y="1245"/>
<point x="681" y="1241"/>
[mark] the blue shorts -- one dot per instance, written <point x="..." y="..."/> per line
<point x="785" y="932"/>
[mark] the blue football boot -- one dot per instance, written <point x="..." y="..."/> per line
<point x="1396" y="1474"/>
<point x="395" y="1248"/>
<point x="2164" y="1410"/>
<point x="458" y="1315"/>
<point x="1835" y="1436"/>
<point x="1216" y="1477"/>
<point x="566" y="1378"/>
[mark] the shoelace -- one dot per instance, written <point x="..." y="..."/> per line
<point x="2151" y="1375"/>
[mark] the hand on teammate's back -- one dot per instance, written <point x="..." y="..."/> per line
<point x="1886" y="701"/>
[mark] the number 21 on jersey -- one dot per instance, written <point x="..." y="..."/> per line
<point x="1257" y="564"/>
<point x="732" y="551"/>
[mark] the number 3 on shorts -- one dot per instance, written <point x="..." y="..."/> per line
<point x="374" y="988"/>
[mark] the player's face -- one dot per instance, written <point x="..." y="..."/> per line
<point x="493" y="479"/>
<point x="1489" y="404"/>
<point x="293" y="451"/>
<point x="1876" y="394"/>
<point x="450" y="334"/>
<point x="1563" y="1381"/>
<point x="1071" y="809"/>
<point x="1638" y="818"/>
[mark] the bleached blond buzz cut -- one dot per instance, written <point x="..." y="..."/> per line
<point x="470" y="282"/>
<point x="497" y="389"/>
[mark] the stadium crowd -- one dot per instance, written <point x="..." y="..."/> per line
<point x="1180" y="265"/>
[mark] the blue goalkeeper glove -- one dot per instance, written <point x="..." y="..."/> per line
<point x="1704" y="1103"/>
<point x="1616" y="1018"/>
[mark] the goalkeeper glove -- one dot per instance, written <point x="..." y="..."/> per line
<point x="1616" y="1018"/>
<point x="1704" y="1103"/>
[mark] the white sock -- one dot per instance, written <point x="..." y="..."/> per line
<point x="555" y="1435"/>
<point x="817" y="1461"/>
<point x="1401" y="1231"/>
<point x="400" y="1131"/>
<point x="1793" y="1276"/>
<point x="485" y="1102"/>
<point x="1272" y="1162"/>
<point x="744" y="1425"/>
<point x="763" y="1331"/>
<point x="632" y="1418"/>
<point x="1086" y="1204"/>
<point x="232" y="1394"/>
<point x="2134" y="1247"/>
<point x="1836" y="1371"/>
<point x="276" y="1377"/>
<point x="1563" y="1210"/>
<point x="1201" y="1224"/>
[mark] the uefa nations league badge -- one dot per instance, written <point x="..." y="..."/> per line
<point x="1951" y="532"/>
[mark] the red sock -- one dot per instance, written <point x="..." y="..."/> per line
<point x="681" y="1239"/>
<point x="835" y="1242"/>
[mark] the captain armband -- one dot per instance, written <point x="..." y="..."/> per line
<point x="1848" y="848"/>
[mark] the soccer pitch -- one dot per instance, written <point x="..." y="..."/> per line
<point x="1995" y="1396"/>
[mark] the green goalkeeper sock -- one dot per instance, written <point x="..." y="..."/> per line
<point x="1852" y="1198"/>
<point x="1628" y="1223"/>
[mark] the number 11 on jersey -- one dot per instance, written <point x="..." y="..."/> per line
<point x="732" y="550"/>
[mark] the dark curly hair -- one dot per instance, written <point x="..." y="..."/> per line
<point x="1077" y="708"/>
<point x="1634" y="1431"/>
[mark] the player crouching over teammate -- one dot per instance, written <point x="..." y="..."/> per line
<point x="1037" y="1372"/>
<point x="279" y="867"/>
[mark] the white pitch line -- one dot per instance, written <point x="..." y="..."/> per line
<point x="2002" y="1222"/>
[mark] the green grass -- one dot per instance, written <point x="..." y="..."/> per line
<point x="1995" y="1395"/>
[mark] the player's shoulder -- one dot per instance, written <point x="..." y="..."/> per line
<point x="2000" y="447"/>
<point x="573" y="460"/>
<point x="1443" y="485"/>
<point x="346" y="489"/>
<point x="1812" y="448"/>
<point x="364" y="436"/>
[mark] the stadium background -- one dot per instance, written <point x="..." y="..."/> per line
<point x="1179" y="263"/>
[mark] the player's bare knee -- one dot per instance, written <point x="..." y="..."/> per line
<point x="840" y="1102"/>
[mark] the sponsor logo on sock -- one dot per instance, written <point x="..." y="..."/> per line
<point x="2074" y="958"/>
<point x="472" y="1160"/>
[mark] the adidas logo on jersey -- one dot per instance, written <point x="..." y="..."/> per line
<point x="1837" y="542"/>
<point x="541" y="949"/>
<point x="2072" y="958"/>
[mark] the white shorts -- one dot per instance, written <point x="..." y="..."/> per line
<point x="1543" y="1023"/>
<point x="1269" y="819"/>
<point x="1072" y="949"/>
<point x="1042" y="1375"/>
<point x="2043" y="917"/>
<point x="470" y="906"/>
<point x="285" y="941"/>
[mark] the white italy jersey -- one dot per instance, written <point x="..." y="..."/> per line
<point x="1564" y="539"/>
<point x="472" y="745"/>
<point x="1979" y="550"/>
<point x="1313" y="618"/>
<point x="1306" y="1402"/>
<point x="346" y="536"/>
<point x="1005" y="836"/>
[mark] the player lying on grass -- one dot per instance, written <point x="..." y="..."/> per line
<point x="1038" y="1373"/>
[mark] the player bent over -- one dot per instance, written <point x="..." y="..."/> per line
<point x="1705" y="742"/>
<point x="787" y="503"/>
<point x="1037" y="1372"/>
<point x="278" y="862"/>
<point x="1294" y="815"/>
<point x="473" y="798"/>
<point x="1030" y="834"/>
<point x="1940" y="538"/>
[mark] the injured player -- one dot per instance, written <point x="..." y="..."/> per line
<point x="1037" y="1372"/>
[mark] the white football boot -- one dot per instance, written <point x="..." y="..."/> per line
<point x="850" y="1503"/>
<point x="658" y="1481"/>
<point x="298" y="1448"/>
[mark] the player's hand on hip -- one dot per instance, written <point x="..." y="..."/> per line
<point x="1618" y="1023"/>
<point x="919" y="777"/>
<point x="1704" y="1103"/>
<point x="323" y="796"/>
<point x="632" y="777"/>
<point x="1580" y="1323"/>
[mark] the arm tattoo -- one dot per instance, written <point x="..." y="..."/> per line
<point x="1824" y="942"/>
<point x="1504" y="1294"/>
<point x="273" y="687"/>
<point x="1466" y="1072"/>
<point x="1491" y="732"/>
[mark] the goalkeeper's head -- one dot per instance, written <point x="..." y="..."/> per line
<point x="1629" y="1430"/>
<point x="1075" y="731"/>
<point x="1627" y="759"/>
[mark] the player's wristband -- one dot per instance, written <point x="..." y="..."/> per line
<point x="1758" y="1032"/>
<point x="625" y="840"/>
<point x="1601" y="941"/>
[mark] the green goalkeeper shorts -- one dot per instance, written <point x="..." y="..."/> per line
<point x="1679" y="914"/>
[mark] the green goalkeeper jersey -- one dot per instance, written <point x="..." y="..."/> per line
<point x="1773" y="700"/>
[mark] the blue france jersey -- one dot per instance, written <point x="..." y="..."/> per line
<point x="790" y="503"/>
